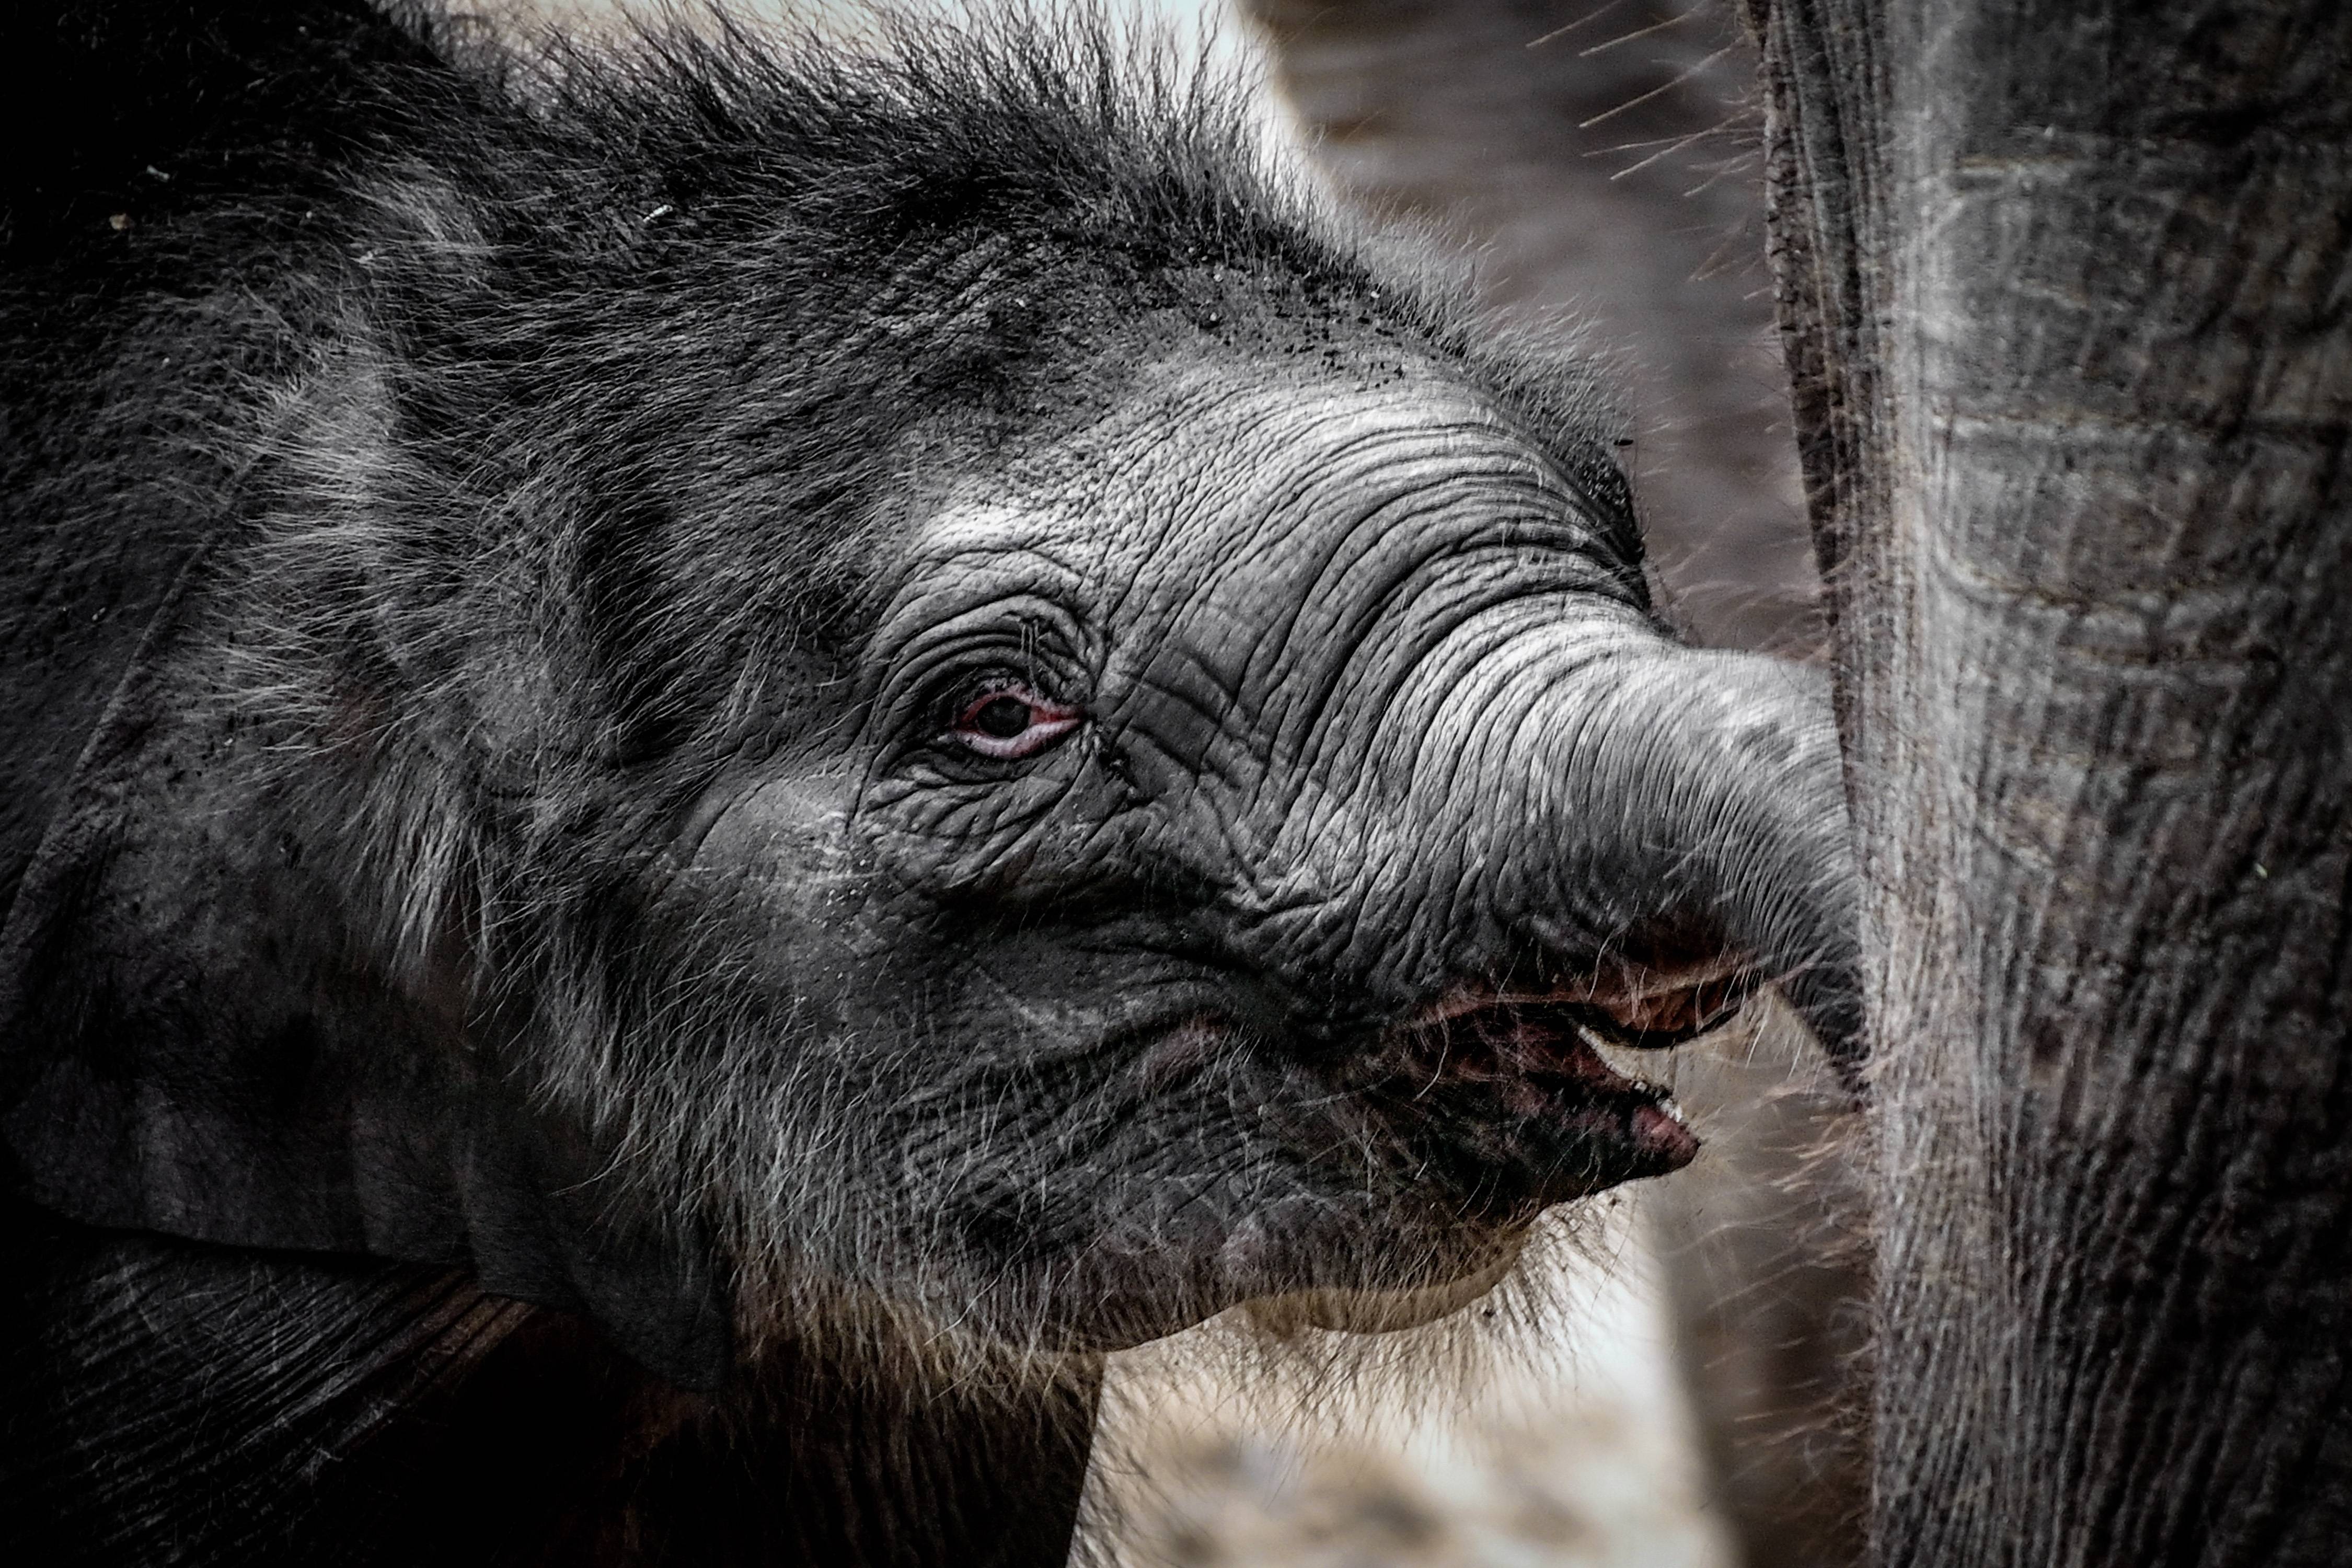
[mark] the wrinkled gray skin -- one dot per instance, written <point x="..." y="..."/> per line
<point x="1365" y="734"/>
<point x="2063" y="287"/>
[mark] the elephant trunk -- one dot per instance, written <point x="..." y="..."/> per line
<point x="1696" y="793"/>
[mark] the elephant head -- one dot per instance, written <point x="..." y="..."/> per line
<point x="1264" y="812"/>
<point x="1083" y="772"/>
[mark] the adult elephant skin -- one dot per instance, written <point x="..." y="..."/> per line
<point x="718" y="757"/>
<point x="2067" y="289"/>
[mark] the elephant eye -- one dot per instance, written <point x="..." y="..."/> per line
<point x="1008" y="720"/>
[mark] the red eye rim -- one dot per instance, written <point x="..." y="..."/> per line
<point x="1049" y="722"/>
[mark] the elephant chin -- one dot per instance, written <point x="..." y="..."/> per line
<point x="1379" y="1311"/>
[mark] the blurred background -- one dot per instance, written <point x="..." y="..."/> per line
<point x="1693" y="1393"/>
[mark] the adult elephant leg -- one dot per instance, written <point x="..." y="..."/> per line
<point x="2065" y="292"/>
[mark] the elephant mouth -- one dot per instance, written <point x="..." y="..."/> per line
<point x="1433" y="1143"/>
<point x="1538" y="1097"/>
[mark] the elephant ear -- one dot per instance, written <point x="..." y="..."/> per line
<point x="195" y="1041"/>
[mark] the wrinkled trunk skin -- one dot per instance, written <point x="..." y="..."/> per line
<point x="1603" y="158"/>
<point x="1705" y="782"/>
<point x="2064" y="287"/>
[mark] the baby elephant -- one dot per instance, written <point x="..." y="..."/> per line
<point x="719" y="755"/>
